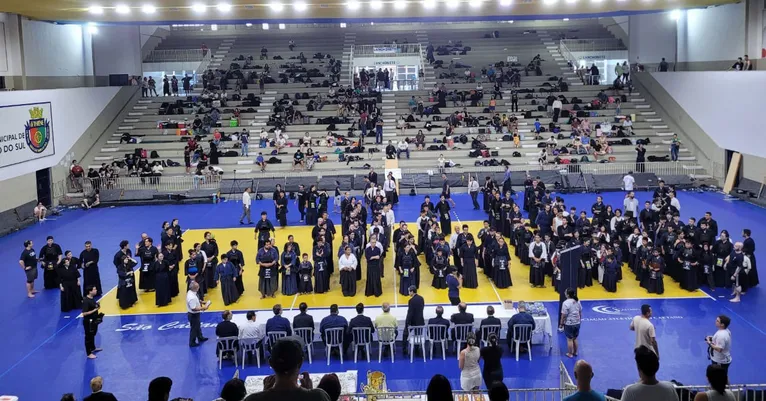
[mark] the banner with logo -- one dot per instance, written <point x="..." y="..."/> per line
<point x="26" y="133"/>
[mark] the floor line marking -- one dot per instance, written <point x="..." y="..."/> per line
<point x="295" y="298"/>
<point x="740" y="317"/>
<point x="47" y="340"/>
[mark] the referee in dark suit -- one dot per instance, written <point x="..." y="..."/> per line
<point x="415" y="308"/>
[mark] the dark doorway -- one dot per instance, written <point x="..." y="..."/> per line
<point x="44" y="186"/>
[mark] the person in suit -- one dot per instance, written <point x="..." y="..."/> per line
<point x="303" y="319"/>
<point x="439" y="320"/>
<point x="277" y="322"/>
<point x="96" y="384"/>
<point x="461" y="317"/>
<point x="415" y="307"/>
<point x="227" y="328"/>
<point x="360" y="321"/>
<point x="523" y="317"/>
<point x="491" y="320"/>
<point x="373" y="176"/>
<point x="333" y="321"/>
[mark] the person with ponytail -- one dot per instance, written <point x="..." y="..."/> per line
<point x="718" y="379"/>
<point x="571" y="313"/>
<point x="493" y="367"/>
<point x="468" y="361"/>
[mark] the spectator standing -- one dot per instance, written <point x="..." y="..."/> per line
<point x="571" y="313"/>
<point x="675" y="146"/>
<point x="645" y="334"/>
<point x="557" y="105"/>
<point x="493" y="366"/>
<point x="468" y="361"/>
<point x="640" y="158"/>
<point x="473" y="189"/>
<point x="583" y="373"/>
<point x="193" y="309"/>
<point x="718" y="379"/>
<point x="663" y="65"/>
<point x="720" y="343"/>
<point x="246" y="201"/>
<point x="244" y="139"/>
<point x="648" y="387"/>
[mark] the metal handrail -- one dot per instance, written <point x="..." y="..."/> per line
<point x="390" y="50"/>
<point x="175" y="55"/>
<point x="588" y="45"/>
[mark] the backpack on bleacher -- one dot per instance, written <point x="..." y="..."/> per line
<point x="154" y="155"/>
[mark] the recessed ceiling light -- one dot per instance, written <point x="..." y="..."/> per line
<point x="223" y="7"/>
<point x="214" y="27"/>
<point x="342" y="24"/>
<point x="429" y="4"/>
<point x="148" y="9"/>
<point x="122" y="9"/>
<point x="475" y="3"/>
<point x="353" y="5"/>
<point x="282" y="26"/>
<point x="571" y="1"/>
<point x="300" y="6"/>
<point x="276" y="6"/>
<point x="453" y="4"/>
<point x="199" y="8"/>
<point x="675" y="15"/>
<point x="506" y="3"/>
<point x="96" y="10"/>
<point x="376" y="4"/>
<point x="400" y="4"/>
<point x="265" y="27"/>
<point x="248" y="25"/>
<point x="510" y="22"/>
<point x="566" y="19"/>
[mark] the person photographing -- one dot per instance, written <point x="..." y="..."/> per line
<point x="193" y="309"/>
<point x="720" y="343"/>
<point x="91" y="318"/>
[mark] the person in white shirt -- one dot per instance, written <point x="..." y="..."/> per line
<point x="389" y="187"/>
<point x="720" y="343"/>
<point x="630" y="205"/>
<point x="674" y="201"/>
<point x="556" y="109"/>
<point x="648" y="387"/>
<point x="628" y="181"/>
<point x="473" y="189"/>
<point x="347" y="266"/>
<point x="193" y="309"/>
<point x="246" y="201"/>
<point x="645" y="334"/>
<point x="40" y="211"/>
<point x="402" y="147"/>
<point x="251" y="329"/>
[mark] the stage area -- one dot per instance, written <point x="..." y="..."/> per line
<point x="144" y="342"/>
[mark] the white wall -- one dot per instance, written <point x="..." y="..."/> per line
<point x="117" y="50"/>
<point x="73" y="112"/>
<point x="10" y="46"/>
<point x="712" y="34"/>
<point x="727" y="105"/>
<point x="147" y="31"/>
<point x="652" y="37"/>
<point x="56" y="50"/>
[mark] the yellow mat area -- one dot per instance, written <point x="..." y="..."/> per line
<point x="628" y="288"/>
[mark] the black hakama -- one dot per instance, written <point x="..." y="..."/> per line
<point x="489" y="250"/>
<point x="161" y="284"/>
<point x="126" y="288"/>
<point x="470" y="277"/>
<point x="50" y="254"/>
<point x="147" y="257"/>
<point x="501" y="268"/>
<point x="537" y="269"/>
<point x="321" y="276"/>
<point x="227" y="274"/>
<point x="689" y="279"/>
<point x="71" y="296"/>
<point x="289" y="282"/>
<point x="655" y="284"/>
<point x="348" y="282"/>
<point x="304" y="278"/>
<point x="268" y="281"/>
<point x="374" y="287"/>
<point x="610" y="276"/>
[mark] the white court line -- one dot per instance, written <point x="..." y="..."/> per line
<point x="295" y="298"/>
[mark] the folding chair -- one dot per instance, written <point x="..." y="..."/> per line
<point x="250" y="345"/>
<point x="361" y="337"/>
<point x="487" y="330"/>
<point x="437" y="334"/>
<point x="522" y="333"/>
<point x="461" y="336"/>
<point x="224" y="345"/>
<point x="307" y="335"/>
<point x="386" y="337"/>
<point x="417" y="336"/>
<point x="334" y="339"/>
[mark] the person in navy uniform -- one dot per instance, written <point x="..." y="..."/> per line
<point x="360" y="321"/>
<point x="303" y="319"/>
<point x="268" y="262"/>
<point x="333" y="321"/>
<point x="278" y="322"/>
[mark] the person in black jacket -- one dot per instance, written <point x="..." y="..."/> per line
<point x="491" y="320"/>
<point x="462" y="317"/>
<point x="360" y="321"/>
<point x="415" y="307"/>
<point x="227" y="328"/>
<point x="96" y="384"/>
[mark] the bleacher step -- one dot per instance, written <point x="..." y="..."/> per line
<point x="653" y="120"/>
<point x="112" y="142"/>
<point x="125" y="127"/>
<point x="642" y="106"/>
<point x="245" y="162"/>
<point x="658" y="126"/>
<point x="649" y="113"/>
<point x="665" y="134"/>
<point x="107" y="150"/>
<point x="244" y="171"/>
<point x="103" y="158"/>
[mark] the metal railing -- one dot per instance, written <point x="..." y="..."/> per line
<point x="591" y="45"/>
<point x="391" y="50"/>
<point x="742" y="392"/>
<point x="176" y="55"/>
<point x="658" y="168"/>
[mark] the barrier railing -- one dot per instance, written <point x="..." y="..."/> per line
<point x="176" y="55"/>
<point x="590" y="45"/>
<point x="409" y="49"/>
<point x="658" y="168"/>
<point x="742" y="392"/>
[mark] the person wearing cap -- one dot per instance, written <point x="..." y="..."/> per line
<point x="289" y="384"/>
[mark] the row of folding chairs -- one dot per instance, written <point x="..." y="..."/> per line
<point x="425" y="337"/>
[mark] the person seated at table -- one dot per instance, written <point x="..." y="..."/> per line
<point x="227" y="328"/>
<point x="439" y="320"/>
<point x="334" y="321"/>
<point x="278" y="322"/>
<point x="386" y="319"/>
<point x="461" y="317"/>
<point x="491" y="320"/>
<point x="522" y="317"/>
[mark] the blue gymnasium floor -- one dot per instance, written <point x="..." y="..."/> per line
<point x="43" y="346"/>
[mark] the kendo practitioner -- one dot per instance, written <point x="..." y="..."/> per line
<point x="373" y="253"/>
<point x="267" y="260"/>
<point x="237" y="259"/>
<point x="312" y="206"/>
<point x="210" y="247"/>
<point x="468" y="253"/>
<point x="721" y="250"/>
<point x="482" y="235"/>
<point x="408" y="266"/>
<point x="545" y="220"/>
<point x="89" y="258"/>
<point x="289" y="270"/>
<point x="263" y="230"/>
<point x="296" y="246"/>
<point x="538" y="255"/>
<point x="227" y="274"/>
<point x="748" y="248"/>
<point x="656" y="266"/>
<point x="427" y="205"/>
<point x="321" y="273"/>
<point x="489" y="245"/>
<point x="161" y="270"/>
<point x="487" y="192"/>
<point x="168" y="240"/>
<point x="304" y="278"/>
<point x="50" y="256"/>
<point x="346" y="265"/>
<point x="506" y="214"/>
<point x="193" y="272"/>
<point x="126" y="285"/>
<point x="443" y="209"/>
<point x="147" y="254"/>
<point x="301" y="199"/>
<point x="178" y="237"/>
<point x="501" y="264"/>
<point x="439" y="268"/>
<point x="282" y="209"/>
<point x="707" y="260"/>
<point x="610" y="273"/>
<point x="598" y="210"/>
<point x="585" y="271"/>
<point x="169" y="255"/>
<point x="495" y="212"/>
<point x="422" y="223"/>
<point x="457" y="240"/>
<point x="69" y="284"/>
<point x="688" y="259"/>
<point x="117" y="260"/>
<point x="735" y="268"/>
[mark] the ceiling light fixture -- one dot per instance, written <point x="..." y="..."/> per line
<point x="475" y="3"/>
<point x="506" y="3"/>
<point x="353" y="5"/>
<point x="96" y="10"/>
<point x="400" y="4"/>
<point x="265" y="27"/>
<point x="248" y="25"/>
<point x="376" y="4"/>
<point x="122" y="9"/>
<point x="453" y="4"/>
<point x="282" y="26"/>
<point x="510" y="22"/>
<point x="429" y="4"/>
<point x="276" y="6"/>
<point x="223" y="7"/>
<point x="566" y="19"/>
<point x="342" y="24"/>
<point x="214" y="27"/>
<point x="199" y="8"/>
<point x="148" y="9"/>
<point x="300" y="6"/>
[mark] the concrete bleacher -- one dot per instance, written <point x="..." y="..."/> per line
<point x="142" y="119"/>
